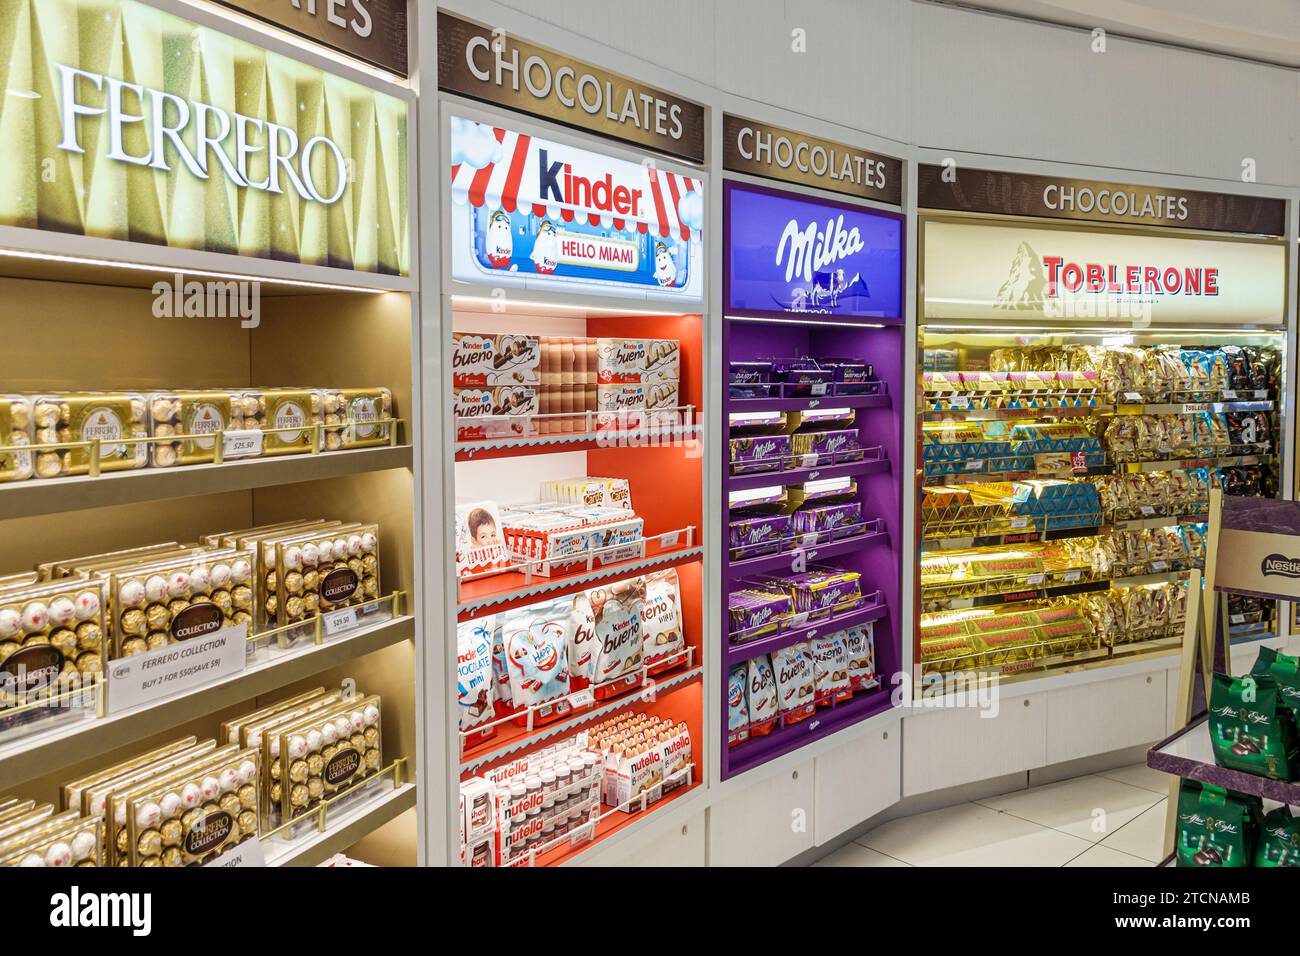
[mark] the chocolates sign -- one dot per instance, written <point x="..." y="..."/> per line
<point x="1054" y="197"/>
<point x="160" y="139"/>
<point x="491" y="65"/>
<point x="786" y="253"/>
<point x="544" y="215"/>
<point x="760" y="149"/>
<point x="1014" y="272"/>
<point x="370" y="30"/>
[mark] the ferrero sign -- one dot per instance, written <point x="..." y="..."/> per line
<point x="759" y="149"/>
<point x="1055" y="197"/>
<point x="490" y="65"/>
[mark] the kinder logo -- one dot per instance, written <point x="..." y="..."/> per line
<point x="557" y="181"/>
<point x="1277" y="565"/>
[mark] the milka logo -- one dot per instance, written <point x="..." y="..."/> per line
<point x="812" y="250"/>
<point x="1280" y="565"/>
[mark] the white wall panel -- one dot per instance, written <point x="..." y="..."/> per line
<point x="986" y="83"/>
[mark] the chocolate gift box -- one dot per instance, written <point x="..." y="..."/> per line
<point x="355" y="417"/>
<point x="633" y="361"/>
<point x="319" y="573"/>
<point x="111" y="419"/>
<point x="51" y="638"/>
<point x="287" y="418"/>
<point x="66" y="840"/>
<point x="199" y="415"/>
<point x="16" y="430"/>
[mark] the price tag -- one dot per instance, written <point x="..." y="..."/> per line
<point x="668" y="540"/>
<point x="818" y="388"/>
<point x="1035" y="580"/>
<point x="1072" y="577"/>
<point x="249" y="853"/>
<point x="1020" y="522"/>
<point x="1159" y="565"/>
<point x="1132" y="396"/>
<point x="336" y="622"/>
<point x="1148" y="510"/>
<point x="246" y="443"/>
<point x="582" y="698"/>
<point x="1238" y="618"/>
<point x="810" y="460"/>
<point x="808" y="539"/>
<point x="176" y="669"/>
<point x="1229" y="395"/>
<point x="1078" y="461"/>
<point x="959" y="404"/>
<point x="976" y="464"/>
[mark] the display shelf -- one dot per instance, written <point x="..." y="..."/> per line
<point x="612" y="821"/>
<point x="576" y="441"/>
<point x="1098" y="411"/>
<point x="1190" y="755"/>
<point x="512" y="738"/>
<point x="816" y="552"/>
<point x="1019" y="596"/>
<point x="1031" y="536"/>
<point x="40" y="753"/>
<point x="827" y="720"/>
<point x="345" y="829"/>
<point x="515" y="588"/>
<point x="797" y="476"/>
<point x="738" y="653"/>
<point x="1116" y="468"/>
<point x="22" y="499"/>
<point x="738" y="405"/>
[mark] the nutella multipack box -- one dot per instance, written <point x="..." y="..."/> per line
<point x="494" y="359"/>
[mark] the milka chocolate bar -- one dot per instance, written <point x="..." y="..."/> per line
<point x="759" y="453"/>
<point x="753" y="534"/>
<point x="755" y="612"/>
<point x="834" y="519"/>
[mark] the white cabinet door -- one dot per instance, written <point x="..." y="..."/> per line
<point x="765" y="823"/>
<point x="948" y="747"/>
<point x="680" y="845"/>
<point x="1106" y="715"/>
<point x="857" y="780"/>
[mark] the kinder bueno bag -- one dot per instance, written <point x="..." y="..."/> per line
<point x="582" y="642"/>
<point x="616" y="610"/>
<point x="860" y="647"/>
<point x="795" y="683"/>
<point x="537" y="654"/>
<point x="830" y="670"/>
<point x="474" y="680"/>
<point x="480" y="544"/>
<point x="763" y="711"/>
<point x="661" y="622"/>
<point x="737" y="705"/>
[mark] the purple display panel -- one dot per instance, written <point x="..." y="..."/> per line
<point x="876" y="554"/>
<point x="786" y="253"/>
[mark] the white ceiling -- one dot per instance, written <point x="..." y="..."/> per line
<point x="1264" y="30"/>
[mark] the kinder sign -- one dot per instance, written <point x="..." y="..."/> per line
<point x="538" y="214"/>
<point x="787" y="253"/>
<point x="1011" y="272"/>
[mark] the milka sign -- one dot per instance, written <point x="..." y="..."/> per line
<point x="167" y="117"/>
<point x="812" y="250"/>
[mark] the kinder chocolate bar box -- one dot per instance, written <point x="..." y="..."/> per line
<point x="494" y="359"/>
<point x="635" y="361"/>
<point x="480" y="542"/>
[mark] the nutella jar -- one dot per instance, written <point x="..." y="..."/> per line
<point x="562" y="778"/>
<point x="548" y="781"/>
<point x="517" y="794"/>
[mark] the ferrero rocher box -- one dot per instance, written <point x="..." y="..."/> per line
<point x="68" y="567"/>
<point x="322" y="757"/>
<point x="68" y="840"/>
<point x="230" y="729"/>
<point x="352" y="417"/>
<point x="73" y="791"/>
<point x="202" y="415"/>
<point x="111" y="419"/>
<point x="15" y="431"/>
<point x="288" y="417"/>
<point x="320" y="573"/>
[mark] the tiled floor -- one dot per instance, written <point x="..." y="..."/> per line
<point x="1116" y="818"/>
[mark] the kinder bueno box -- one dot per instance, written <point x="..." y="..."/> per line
<point x="494" y="359"/>
<point x="630" y="406"/>
<point x="635" y="361"/>
<point x="495" y="411"/>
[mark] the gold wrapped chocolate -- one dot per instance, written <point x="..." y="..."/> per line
<point x="200" y="414"/>
<point x="112" y="420"/>
<point x="15" y="432"/>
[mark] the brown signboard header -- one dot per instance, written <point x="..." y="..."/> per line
<point x="370" y="30"/>
<point x="492" y="66"/>
<point x="761" y="149"/>
<point x="1056" y="197"/>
